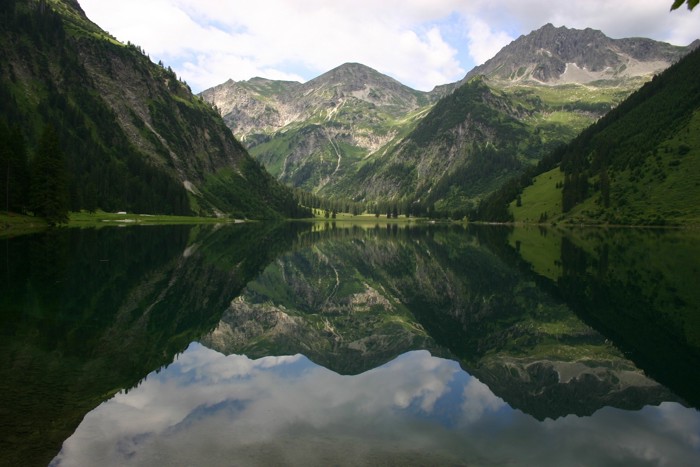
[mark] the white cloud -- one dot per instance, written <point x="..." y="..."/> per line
<point x="211" y="409"/>
<point x="484" y="43"/>
<point x="209" y="41"/>
<point x="478" y="399"/>
<point x="206" y="400"/>
<point x="621" y="18"/>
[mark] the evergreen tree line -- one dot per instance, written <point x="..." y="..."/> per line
<point x="40" y="187"/>
<point x="112" y="178"/>
<point x="388" y="208"/>
<point x="39" y="182"/>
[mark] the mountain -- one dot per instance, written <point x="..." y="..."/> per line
<point x="132" y="135"/>
<point x="261" y="104"/>
<point x="311" y="135"/>
<point x="497" y="122"/>
<point x="471" y="140"/>
<point x="640" y="164"/>
<point x="561" y="55"/>
<point x="354" y="133"/>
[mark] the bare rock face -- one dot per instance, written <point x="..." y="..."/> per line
<point x="553" y="55"/>
<point x="252" y="106"/>
<point x="262" y="105"/>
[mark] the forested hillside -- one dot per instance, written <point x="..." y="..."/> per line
<point x="640" y="164"/>
<point x="469" y="141"/>
<point x="91" y="123"/>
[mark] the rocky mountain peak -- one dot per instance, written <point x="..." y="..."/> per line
<point x="354" y="80"/>
<point x="352" y="75"/>
<point x="263" y="105"/>
<point x="557" y="55"/>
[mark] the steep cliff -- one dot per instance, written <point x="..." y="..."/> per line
<point x="133" y="135"/>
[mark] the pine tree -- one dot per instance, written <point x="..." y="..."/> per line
<point x="605" y="186"/>
<point x="14" y="173"/>
<point x="49" y="180"/>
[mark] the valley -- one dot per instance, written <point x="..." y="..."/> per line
<point x="355" y="134"/>
<point x="133" y="137"/>
<point x="344" y="270"/>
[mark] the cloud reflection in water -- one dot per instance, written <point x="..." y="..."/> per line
<point x="211" y="409"/>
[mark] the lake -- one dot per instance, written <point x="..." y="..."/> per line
<point x="342" y="344"/>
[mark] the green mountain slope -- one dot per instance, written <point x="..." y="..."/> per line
<point x="462" y="147"/>
<point x="133" y="136"/>
<point x="354" y="133"/>
<point x="538" y="92"/>
<point x="475" y="139"/>
<point x="640" y="164"/>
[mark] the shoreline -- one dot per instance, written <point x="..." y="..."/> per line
<point x="13" y="224"/>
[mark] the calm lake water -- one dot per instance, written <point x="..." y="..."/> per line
<point x="299" y="344"/>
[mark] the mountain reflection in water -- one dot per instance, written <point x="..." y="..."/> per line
<point x="298" y="344"/>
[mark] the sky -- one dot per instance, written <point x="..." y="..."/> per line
<point x="421" y="43"/>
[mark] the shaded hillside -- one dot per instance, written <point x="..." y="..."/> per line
<point x="133" y="136"/>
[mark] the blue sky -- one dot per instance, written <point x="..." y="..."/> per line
<point x="422" y="43"/>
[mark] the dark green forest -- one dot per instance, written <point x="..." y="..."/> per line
<point x="61" y="75"/>
<point x="96" y="164"/>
